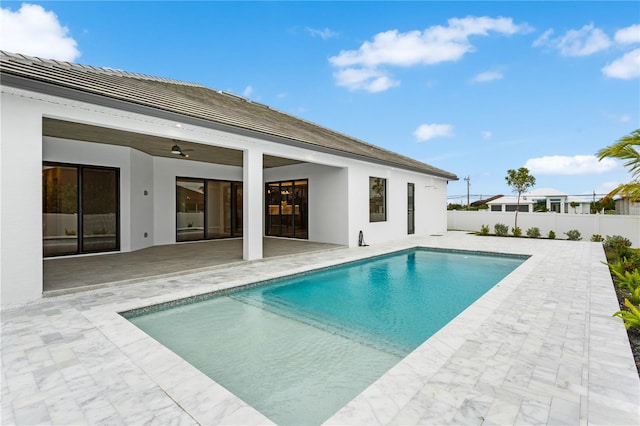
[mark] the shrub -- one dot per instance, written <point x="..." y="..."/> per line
<point x="629" y="280"/>
<point x="516" y="231"/>
<point x="596" y="238"/>
<point x="631" y="317"/>
<point x="552" y="235"/>
<point x="631" y="262"/>
<point x="573" y="235"/>
<point x="501" y="229"/>
<point x="484" y="230"/>
<point x="619" y="245"/>
<point x="615" y="241"/>
<point x="533" y="232"/>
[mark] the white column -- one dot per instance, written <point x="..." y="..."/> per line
<point x="20" y="201"/>
<point x="252" y="204"/>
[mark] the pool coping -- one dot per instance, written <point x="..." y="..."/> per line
<point x="565" y="365"/>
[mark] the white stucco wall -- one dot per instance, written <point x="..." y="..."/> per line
<point x="430" y="204"/>
<point x="141" y="200"/>
<point x="586" y="224"/>
<point x="21" y="205"/>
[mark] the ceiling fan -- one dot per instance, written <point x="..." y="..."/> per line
<point x="175" y="149"/>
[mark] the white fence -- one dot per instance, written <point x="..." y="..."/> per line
<point x="588" y="224"/>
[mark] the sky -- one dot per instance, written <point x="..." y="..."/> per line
<point x="475" y="88"/>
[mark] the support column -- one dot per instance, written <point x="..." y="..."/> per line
<point x="20" y="201"/>
<point x="252" y="204"/>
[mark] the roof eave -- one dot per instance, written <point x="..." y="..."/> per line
<point x="29" y="84"/>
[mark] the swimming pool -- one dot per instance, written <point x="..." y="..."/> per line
<point x="299" y="349"/>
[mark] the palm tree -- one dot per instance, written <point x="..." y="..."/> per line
<point x="626" y="149"/>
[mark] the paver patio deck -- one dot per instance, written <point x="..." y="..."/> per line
<point x="68" y="274"/>
<point x="541" y="347"/>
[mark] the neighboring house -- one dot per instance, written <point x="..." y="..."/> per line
<point x="625" y="206"/>
<point x="115" y="162"/>
<point x="484" y="202"/>
<point x="543" y="199"/>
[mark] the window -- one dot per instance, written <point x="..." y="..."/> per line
<point x="208" y="209"/>
<point x="411" y="222"/>
<point x="287" y="206"/>
<point x="80" y="209"/>
<point x="496" y="208"/>
<point x="377" y="199"/>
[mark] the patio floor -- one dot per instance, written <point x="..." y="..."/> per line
<point x="541" y="347"/>
<point x="69" y="274"/>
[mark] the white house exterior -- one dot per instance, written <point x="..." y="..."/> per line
<point x="627" y="207"/>
<point x="543" y="199"/>
<point x="87" y="166"/>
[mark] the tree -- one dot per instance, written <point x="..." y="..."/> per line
<point x="520" y="181"/>
<point x="626" y="149"/>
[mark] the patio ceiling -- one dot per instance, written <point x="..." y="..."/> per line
<point x="152" y="145"/>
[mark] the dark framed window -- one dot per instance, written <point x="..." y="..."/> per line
<point x="208" y="209"/>
<point x="287" y="209"/>
<point x="80" y="209"/>
<point x="377" y="199"/>
<point x="411" y="219"/>
<point x="523" y="208"/>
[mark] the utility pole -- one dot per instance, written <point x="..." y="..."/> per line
<point x="468" y="179"/>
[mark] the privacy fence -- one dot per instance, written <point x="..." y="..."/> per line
<point x="588" y="224"/>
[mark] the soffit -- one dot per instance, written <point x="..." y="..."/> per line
<point x="152" y="145"/>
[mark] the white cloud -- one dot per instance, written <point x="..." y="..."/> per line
<point x="606" y="187"/>
<point x="34" y="31"/>
<point x="585" y="41"/>
<point x="370" y="80"/>
<point x="624" y="118"/>
<point x="564" y="165"/>
<point x="628" y="35"/>
<point x="433" y="45"/>
<point x="486" y="76"/>
<point x="487" y="134"/>
<point x="625" y="67"/>
<point x="324" y="34"/>
<point x="544" y="39"/>
<point x="429" y="131"/>
<point x="247" y="91"/>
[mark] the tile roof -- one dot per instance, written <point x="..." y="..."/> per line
<point x="200" y="102"/>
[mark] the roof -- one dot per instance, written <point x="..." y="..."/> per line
<point x="546" y="192"/>
<point x="194" y="101"/>
<point x="509" y="199"/>
<point x="539" y="194"/>
<point x="486" y="200"/>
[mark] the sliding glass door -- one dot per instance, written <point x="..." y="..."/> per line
<point x="208" y="209"/>
<point x="287" y="207"/>
<point x="80" y="209"/>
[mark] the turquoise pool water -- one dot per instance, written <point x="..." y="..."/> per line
<point x="299" y="349"/>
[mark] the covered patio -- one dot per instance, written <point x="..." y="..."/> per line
<point x="64" y="275"/>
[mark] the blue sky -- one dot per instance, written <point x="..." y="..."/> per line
<point x="475" y="88"/>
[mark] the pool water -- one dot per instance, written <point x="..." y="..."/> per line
<point x="299" y="349"/>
